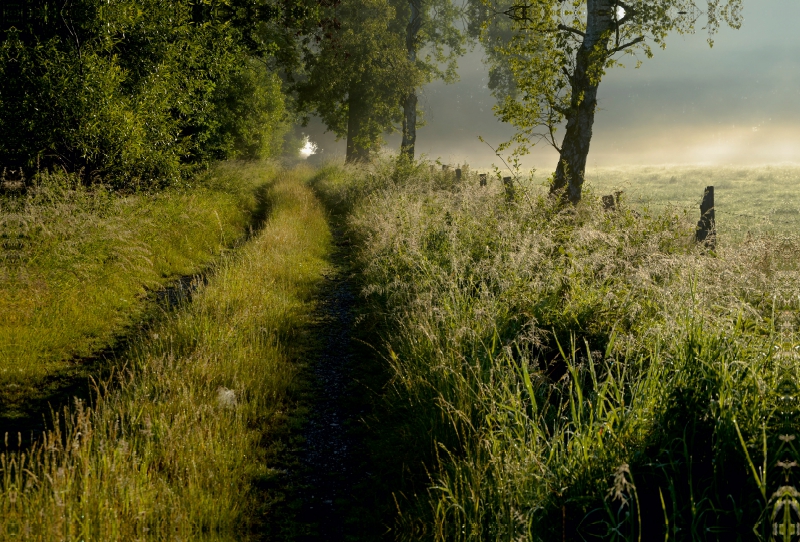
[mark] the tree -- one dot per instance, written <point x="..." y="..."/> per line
<point x="357" y="72"/>
<point x="431" y="26"/>
<point x="557" y="55"/>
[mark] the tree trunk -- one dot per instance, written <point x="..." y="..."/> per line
<point x="356" y="150"/>
<point x="410" y="101"/>
<point x="409" y="125"/>
<point x="589" y="68"/>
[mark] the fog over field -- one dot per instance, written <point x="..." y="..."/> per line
<point x="737" y="103"/>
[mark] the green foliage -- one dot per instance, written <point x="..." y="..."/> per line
<point x="440" y="39"/>
<point x="134" y="91"/>
<point x="533" y="50"/>
<point x="252" y="110"/>
<point x="360" y="73"/>
<point x="550" y="56"/>
<point x="364" y="65"/>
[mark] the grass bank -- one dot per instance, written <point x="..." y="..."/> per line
<point x="79" y="265"/>
<point x="182" y="443"/>
<point x="569" y="373"/>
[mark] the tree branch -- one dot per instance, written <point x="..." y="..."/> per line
<point x="570" y="29"/>
<point x="626" y="45"/>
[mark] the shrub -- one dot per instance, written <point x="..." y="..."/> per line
<point x="133" y="92"/>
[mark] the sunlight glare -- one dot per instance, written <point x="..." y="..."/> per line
<point x="308" y="148"/>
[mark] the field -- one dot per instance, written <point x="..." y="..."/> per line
<point x="755" y="199"/>
<point x="529" y="371"/>
<point x="580" y="374"/>
<point x="174" y="443"/>
<point x="80" y="267"/>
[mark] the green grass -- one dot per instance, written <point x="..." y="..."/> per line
<point x="569" y="373"/>
<point x="79" y="264"/>
<point x="748" y="199"/>
<point x="754" y="199"/>
<point x="182" y="443"/>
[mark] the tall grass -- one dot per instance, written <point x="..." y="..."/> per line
<point x="569" y="373"/>
<point x="179" y="443"/>
<point x="79" y="263"/>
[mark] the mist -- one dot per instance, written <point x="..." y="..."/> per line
<point x="737" y="103"/>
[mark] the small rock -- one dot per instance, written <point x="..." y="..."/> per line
<point x="226" y="398"/>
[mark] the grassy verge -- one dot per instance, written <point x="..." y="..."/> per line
<point x="181" y="444"/>
<point x="570" y="373"/>
<point x="79" y="262"/>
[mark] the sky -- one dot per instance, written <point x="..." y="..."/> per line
<point x="737" y="103"/>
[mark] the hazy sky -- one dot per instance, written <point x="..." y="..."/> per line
<point x="738" y="103"/>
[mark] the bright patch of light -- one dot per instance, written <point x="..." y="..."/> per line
<point x="308" y="148"/>
<point x="620" y="12"/>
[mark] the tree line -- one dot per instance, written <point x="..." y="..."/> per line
<point x="147" y="91"/>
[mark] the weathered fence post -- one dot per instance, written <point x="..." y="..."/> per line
<point x="706" y="232"/>
<point x="611" y="201"/>
<point x="458" y="174"/>
<point x="482" y="177"/>
<point x="509" y="186"/>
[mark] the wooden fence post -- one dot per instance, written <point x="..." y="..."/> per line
<point x="458" y="174"/>
<point x="482" y="177"/>
<point x="706" y="226"/>
<point x="611" y="201"/>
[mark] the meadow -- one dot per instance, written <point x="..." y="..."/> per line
<point x="533" y="371"/>
<point x="758" y="199"/>
<point x="81" y="265"/>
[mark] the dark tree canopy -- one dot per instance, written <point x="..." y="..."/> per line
<point x="144" y="89"/>
<point x="357" y="73"/>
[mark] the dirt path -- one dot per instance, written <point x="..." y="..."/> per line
<point x="335" y="463"/>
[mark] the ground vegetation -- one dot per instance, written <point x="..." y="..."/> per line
<point x="184" y="439"/>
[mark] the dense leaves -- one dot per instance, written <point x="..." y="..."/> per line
<point x="135" y="91"/>
<point x="359" y="74"/>
<point x="363" y="67"/>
